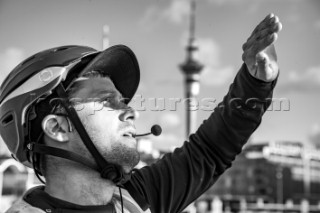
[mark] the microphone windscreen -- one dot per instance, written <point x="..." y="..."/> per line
<point x="156" y="130"/>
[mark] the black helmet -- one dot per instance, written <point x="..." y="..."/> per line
<point x="40" y="75"/>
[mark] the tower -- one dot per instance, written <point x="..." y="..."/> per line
<point x="191" y="69"/>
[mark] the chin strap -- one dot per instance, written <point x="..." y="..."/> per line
<point x="48" y="150"/>
<point x="110" y="171"/>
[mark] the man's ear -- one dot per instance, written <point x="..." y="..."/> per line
<point x="56" y="127"/>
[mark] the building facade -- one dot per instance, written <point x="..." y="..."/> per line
<point x="272" y="172"/>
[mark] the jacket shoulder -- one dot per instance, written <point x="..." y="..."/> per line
<point x="21" y="206"/>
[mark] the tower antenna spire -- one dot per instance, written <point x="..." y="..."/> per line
<point x="191" y="47"/>
<point x="192" y="26"/>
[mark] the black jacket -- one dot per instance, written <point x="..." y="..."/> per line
<point x="172" y="183"/>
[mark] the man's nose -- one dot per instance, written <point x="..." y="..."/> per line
<point x="129" y="114"/>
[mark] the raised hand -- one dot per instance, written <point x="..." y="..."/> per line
<point x="259" y="53"/>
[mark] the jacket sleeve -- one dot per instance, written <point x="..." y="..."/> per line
<point x="180" y="177"/>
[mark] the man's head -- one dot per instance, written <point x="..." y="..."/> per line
<point x="94" y="106"/>
<point x="106" y="117"/>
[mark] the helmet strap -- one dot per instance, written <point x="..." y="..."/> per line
<point x="107" y="170"/>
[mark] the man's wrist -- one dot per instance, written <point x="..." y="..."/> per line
<point x="256" y="81"/>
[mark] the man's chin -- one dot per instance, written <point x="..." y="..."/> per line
<point x="125" y="156"/>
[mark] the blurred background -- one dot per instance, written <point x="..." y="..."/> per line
<point x="158" y="32"/>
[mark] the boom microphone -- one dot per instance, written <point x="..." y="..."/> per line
<point x="155" y="130"/>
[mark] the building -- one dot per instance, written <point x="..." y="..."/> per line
<point x="281" y="176"/>
<point x="272" y="172"/>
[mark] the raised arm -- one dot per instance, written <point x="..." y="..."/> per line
<point x="182" y="176"/>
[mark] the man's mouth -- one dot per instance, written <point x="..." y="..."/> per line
<point x="129" y="134"/>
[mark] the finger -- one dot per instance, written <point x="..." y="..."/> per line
<point x="277" y="27"/>
<point x="275" y="24"/>
<point x="262" y="34"/>
<point x="271" y="26"/>
<point x="260" y="31"/>
<point x="256" y="37"/>
<point x="263" y="43"/>
<point x="265" y="22"/>
<point x="258" y="46"/>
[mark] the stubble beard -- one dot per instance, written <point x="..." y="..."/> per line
<point x="118" y="153"/>
<point x="122" y="155"/>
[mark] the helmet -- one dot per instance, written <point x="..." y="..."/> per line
<point x="33" y="80"/>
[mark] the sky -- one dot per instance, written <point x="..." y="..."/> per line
<point x="157" y="31"/>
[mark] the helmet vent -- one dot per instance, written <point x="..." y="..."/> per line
<point x="8" y="119"/>
<point x="60" y="49"/>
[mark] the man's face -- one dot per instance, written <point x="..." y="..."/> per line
<point x="108" y="120"/>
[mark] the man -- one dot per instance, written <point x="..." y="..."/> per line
<point x="64" y="111"/>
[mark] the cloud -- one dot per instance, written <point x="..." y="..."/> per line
<point x="209" y="55"/>
<point x="302" y="81"/>
<point x="311" y="75"/>
<point x="150" y="18"/>
<point x="314" y="135"/>
<point x="11" y="57"/>
<point x="209" y="51"/>
<point x="217" y="76"/>
<point x="246" y="7"/>
<point x="176" y="12"/>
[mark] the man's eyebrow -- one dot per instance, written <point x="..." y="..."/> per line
<point x="112" y="93"/>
